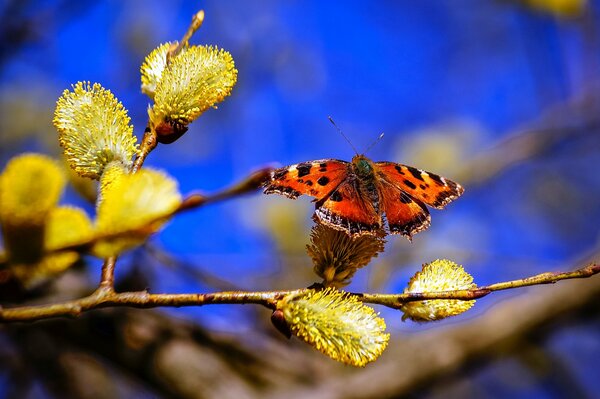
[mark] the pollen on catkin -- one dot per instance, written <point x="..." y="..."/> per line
<point x="153" y="66"/>
<point x="337" y="256"/>
<point x="439" y="275"/>
<point x="132" y="207"/>
<point x="94" y="129"/>
<point x="336" y="324"/>
<point x="193" y="81"/>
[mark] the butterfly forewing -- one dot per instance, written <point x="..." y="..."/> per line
<point x="316" y="178"/>
<point x="431" y="189"/>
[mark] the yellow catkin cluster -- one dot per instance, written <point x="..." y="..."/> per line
<point x="336" y="256"/>
<point x="30" y="186"/>
<point x="132" y="207"/>
<point x="94" y="129"/>
<point x="337" y="324"/>
<point x="439" y="275"/>
<point x="32" y="224"/>
<point x="193" y="81"/>
<point x="65" y="226"/>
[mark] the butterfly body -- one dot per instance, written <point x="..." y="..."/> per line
<point x="356" y="196"/>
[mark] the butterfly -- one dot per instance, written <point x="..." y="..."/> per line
<point x="354" y="196"/>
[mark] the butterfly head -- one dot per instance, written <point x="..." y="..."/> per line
<point x="363" y="166"/>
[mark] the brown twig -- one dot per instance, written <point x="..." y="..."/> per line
<point x="149" y="142"/>
<point x="397" y="300"/>
<point x="192" y="201"/>
<point x="142" y="299"/>
<point x="107" y="276"/>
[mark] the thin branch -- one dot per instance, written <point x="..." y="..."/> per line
<point x="107" y="276"/>
<point x="395" y="301"/>
<point x="197" y="20"/>
<point x="149" y="143"/>
<point x="142" y="299"/>
<point x="192" y="201"/>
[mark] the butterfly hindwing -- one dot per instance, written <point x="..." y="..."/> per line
<point x="405" y="215"/>
<point x="349" y="209"/>
<point x="316" y="178"/>
<point x="429" y="188"/>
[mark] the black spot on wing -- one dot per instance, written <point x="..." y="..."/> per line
<point x="437" y="179"/>
<point x="303" y="169"/>
<point x="405" y="198"/>
<point x="415" y="172"/>
<point x="336" y="196"/>
<point x="323" y="180"/>
<point x="280" y="173"/>
<point x="409" y="184"/>
<point x="399" y="169"/>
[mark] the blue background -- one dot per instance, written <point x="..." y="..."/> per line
<point x="451" y="84"/>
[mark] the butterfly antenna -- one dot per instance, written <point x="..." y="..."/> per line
<point x="374" y="142"/>
<point x="342" y="133"/>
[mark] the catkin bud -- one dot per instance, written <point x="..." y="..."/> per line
<point x="439" y="275"/>
<point x="94" y="129"/>
<point x="337" y="256"/>
<point x="337" y="324"/>
<point x="193" y="81"/>
<point x="132" y="207"/>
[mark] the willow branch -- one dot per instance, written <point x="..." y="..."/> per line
<point x="397" y="300"/>
<point x="142" y="299"/>
<point x="107" y="276"/>
<point x="149" y="143"/>
<point x="197" y="20"/>
<point x="192" y="201"/>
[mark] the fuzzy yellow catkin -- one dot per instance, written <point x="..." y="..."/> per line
<point x="30" y="186"/>
<point x="132" y="207"/>
<point x="439" y="275"/>
<point x="65" y="226"/>
<point x="195" y="80"/>
<point x="94" y="129"/>
<point x="336" y="324"/>
<point x="337" y="256"/>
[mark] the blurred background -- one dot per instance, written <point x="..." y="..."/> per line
<point x="501" y="96"/>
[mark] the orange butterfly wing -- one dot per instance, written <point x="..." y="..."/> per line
<point x="405" y="215"/>
<point x="349" y="209"/>
<point x="317" y="178"/>
<point x="429" y="188"/>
